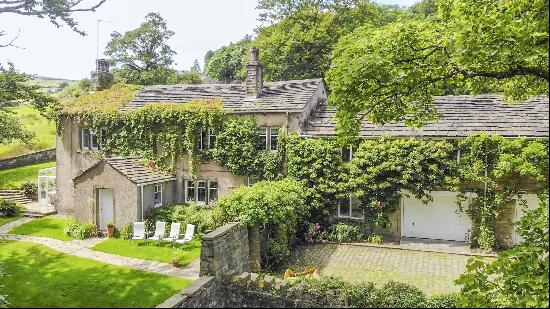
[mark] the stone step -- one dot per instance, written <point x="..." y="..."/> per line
<point x="15" y="195"/>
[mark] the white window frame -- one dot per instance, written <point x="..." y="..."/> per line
<point x="83" y="145"/>
<point x="211" y="138"/>
<point x="252" y="180"/>
<point x="91" y="136"/>
<point x="265" y="137"/>
<point x="157" y="189"/>
<point x="208" y="197"/>
<point x="197" y="184"/>
<point x="271" y="136"/>
<point x="196" y="191"/>
<point x="349" y="149"/>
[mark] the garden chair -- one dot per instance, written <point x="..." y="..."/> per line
<point x="189" y="234"/>
<point x="139" y="231"/>
<point x="160" y="231"/>
<point x="174" y="232"/>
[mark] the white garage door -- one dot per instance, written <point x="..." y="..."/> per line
<point x="532" y="202"/>
<point x="440" y="219"/>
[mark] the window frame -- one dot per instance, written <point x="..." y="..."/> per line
<point x="349" y="205"/>
<point x="211" y="135"/>
<point x="89" y="136"/>
<point x="198" y="182"/>
<point x="209" y="196"/>
<point x="264" y="135"/>
<point x="157" y="189"/>
<point x="273" y="136"/>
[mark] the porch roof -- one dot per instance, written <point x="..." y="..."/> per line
<point x="135" y="169"/>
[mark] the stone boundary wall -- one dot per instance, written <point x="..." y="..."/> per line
<point x="28" y="159"/>
<point x="246" y="290"/>
<point x="225" y="249"/>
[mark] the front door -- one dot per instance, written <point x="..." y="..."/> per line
<point x="106" y="212"/>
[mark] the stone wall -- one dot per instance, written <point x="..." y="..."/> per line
<point x="224" y="250"/>
<point x="28" y="159"/>
<point x="247" y="290"/>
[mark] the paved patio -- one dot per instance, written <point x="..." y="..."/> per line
<point x="432" y="272"/>
<point x="81" y="248"/>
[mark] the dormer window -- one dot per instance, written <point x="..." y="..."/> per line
<point x="92" y="140"/>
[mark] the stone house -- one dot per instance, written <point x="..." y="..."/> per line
<point x="121" y="190"/>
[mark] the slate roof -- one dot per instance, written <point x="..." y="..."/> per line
<point x="461" y="116"/>
<point x="282" y="96"/>
<point x="134" y="169"/>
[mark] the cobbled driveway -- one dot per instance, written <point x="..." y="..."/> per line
<point x="434" y="273"/>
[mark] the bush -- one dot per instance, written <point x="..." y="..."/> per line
<point x="127" y="232"/>
<point x="80" y="231"/>
<point x="335" y="292"/>
<point x="398" y="295"/>
<point x="8" y="208"/>
<point x="443" y="301"/>
<point x="203" y="217"/>
<point x="345" y="232"/>
<point x="30" y="190"/>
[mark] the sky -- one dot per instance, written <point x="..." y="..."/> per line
<point x="199" y="26"/>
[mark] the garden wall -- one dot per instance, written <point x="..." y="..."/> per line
<point x="246" y="290"/>
<point x="225" y="249"/>
<point x="28" y="159"/>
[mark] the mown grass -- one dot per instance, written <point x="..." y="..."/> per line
<point x="39" y="277"/>
<point x="52" y="227"/>
<point x="43" y="129"/>
<point x="152" y="250"/>
<point x="9" y="219"/>
<point x="15" y="177"/>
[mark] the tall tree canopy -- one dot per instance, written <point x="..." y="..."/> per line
<point x="14" y="90"/>
<point x="142" y="56"/>
<point x="227" y="63"/>
<point x="391" y="73"/>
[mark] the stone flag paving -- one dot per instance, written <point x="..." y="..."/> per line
<point x="82" y="249"/>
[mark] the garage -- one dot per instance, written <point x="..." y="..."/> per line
<point x="440" y="219"/>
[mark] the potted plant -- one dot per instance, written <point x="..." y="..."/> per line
<point x="179" y="254"/>
<point x="110" y="230"/>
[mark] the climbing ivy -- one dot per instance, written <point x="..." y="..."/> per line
<point x="498" y="171"/>
<point x="163" y="132"/>
<point x="238" y="146"/>
<point x="383" y="170"/>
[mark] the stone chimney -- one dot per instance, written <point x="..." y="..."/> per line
<point x="101" y="77"/>
<point x="254" y="75"/>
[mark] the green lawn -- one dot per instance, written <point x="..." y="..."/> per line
<point x="39" y="277"/>
<point x="8" y="220"/>
<point x="162" y="252"/>
<point x="15" y="177"/>
<point x="51" y="227"/>
<point x="43" y="129"/>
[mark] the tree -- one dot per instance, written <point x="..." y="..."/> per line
<point x="196" y="66"/>
<point x="391" y="73"/>
<point x="300" y="45"/>
<point x="227" y="63"/>
<point x="58" y="11"/>
<point x="14" y="90"/>
<point x="142" y="56"/>
<point x="519" y="277"/>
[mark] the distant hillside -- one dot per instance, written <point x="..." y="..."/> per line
<point x="52" y="84"/>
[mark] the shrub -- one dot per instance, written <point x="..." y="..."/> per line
<point x="8" y="208"/>
<point x="443" y="301"/>
<point x="275" y="205"/>
<point x="335" y="292"/>
<point x="375" y="239"/>
<point x="80" y="231"/>
<point x="345" y="232"/>
<point x="398" y="295"/>
<point x="127" y="232"/>
<point x="203" y="217"/>
<point x="30" y="190"/>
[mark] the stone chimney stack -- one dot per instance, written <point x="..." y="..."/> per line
<point x="254" y="75"/>
<point x="101" y="77"/>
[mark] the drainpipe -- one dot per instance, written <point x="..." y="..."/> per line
<point x="142" y="214"/>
